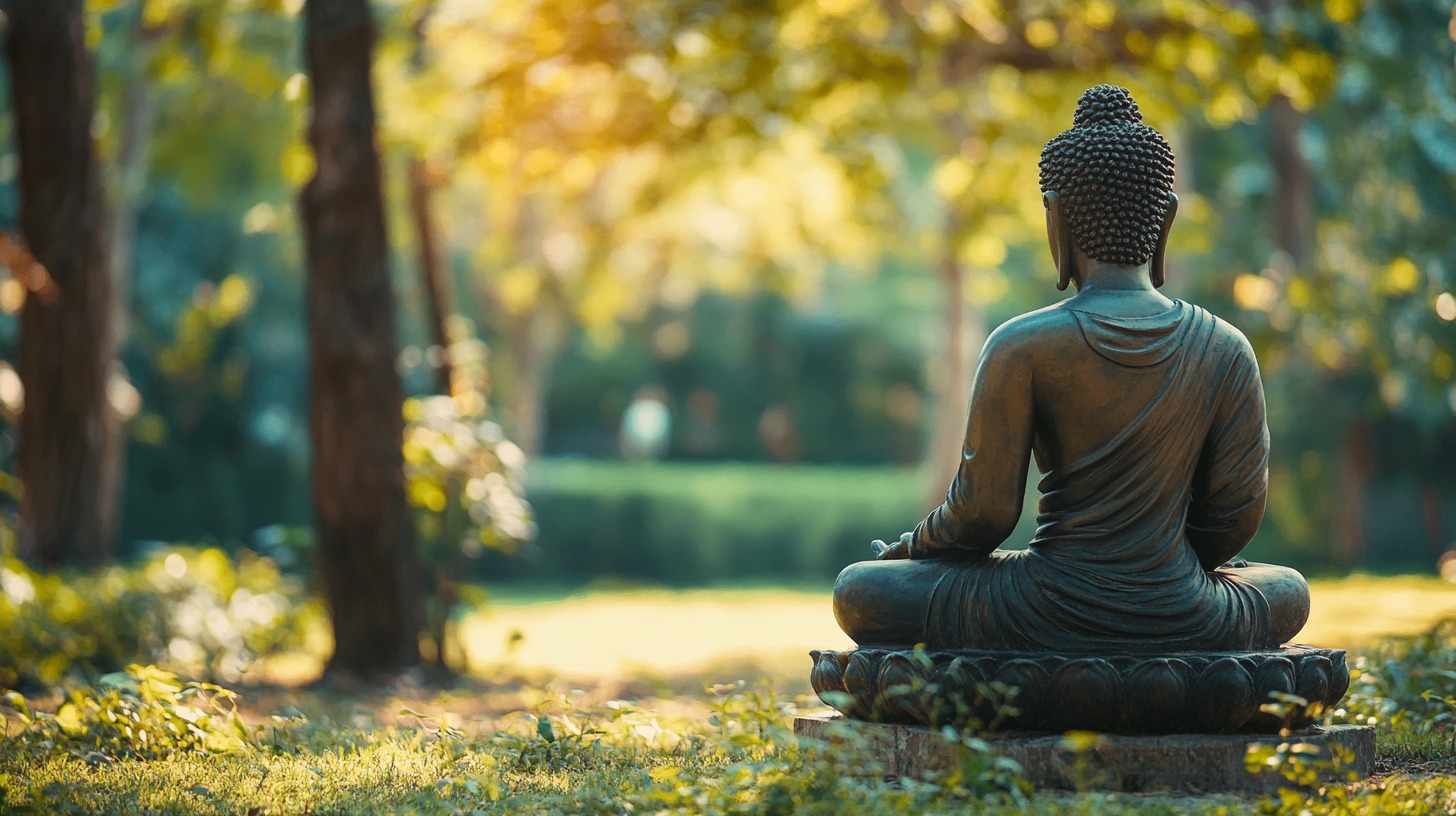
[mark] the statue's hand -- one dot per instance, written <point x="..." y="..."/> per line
<point x="890" y="552"/>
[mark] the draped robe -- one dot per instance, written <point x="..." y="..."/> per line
<point x="1139" y="508"/>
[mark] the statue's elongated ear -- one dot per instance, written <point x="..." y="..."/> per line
<point x="1157" y="271"/>
<point x="1060" y="237"/>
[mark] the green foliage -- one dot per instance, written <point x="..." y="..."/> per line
<point x="594" y="159"/>
<point x="142" y="713"/>
<point x="1303" y="766"/>
<point x="195" y="609"/>
<point x="1360" y="319"/>
<point x="1408" y="685"/>
<point x="1369" y="300"/>
<point x="675" y="138"/>
<point x="214" y="72"/>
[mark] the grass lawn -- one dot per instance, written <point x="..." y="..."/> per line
<point x="604" y="704"/>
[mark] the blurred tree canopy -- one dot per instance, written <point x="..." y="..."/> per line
<point x="795" y="215"/>
<point x="1353" y="312"/>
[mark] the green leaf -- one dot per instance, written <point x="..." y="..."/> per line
<point x="664" y="773"/>
<point x="69" y="718"/>
<point x="17" y="702"/>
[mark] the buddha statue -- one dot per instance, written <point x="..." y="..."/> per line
<point x="1146" y="418"/>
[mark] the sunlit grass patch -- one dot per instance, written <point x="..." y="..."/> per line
<point x="674" y="633"/>
<point x="1355" y="610"/>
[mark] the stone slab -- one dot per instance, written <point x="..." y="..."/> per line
<point x="1201" y="763"/>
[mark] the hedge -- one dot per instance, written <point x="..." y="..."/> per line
<point x="680" y="523"/>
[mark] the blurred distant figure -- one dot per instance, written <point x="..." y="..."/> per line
<point x="703" y="438"/>
<point x="776" y="432"/>
<point x="646" y="425"/>
<point x="1447" y="565"/>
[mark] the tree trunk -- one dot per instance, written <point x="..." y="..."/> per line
<point x="437" y="285"/>
<point x="1292" y="205"/>
<point x="533" y="342"/>
<point x="128" y="179"/>
<point x="964" y="333"/>
<point x="1293" y="216"/>
<point x="1431" y="515"/>
<point x="365" y="530"/>
<point x="70" y="440"/>
<point x="1356" y="462"/>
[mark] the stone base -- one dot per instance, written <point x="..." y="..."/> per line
<point x="1202" y="763"/>
<point x="1180" y="692"/>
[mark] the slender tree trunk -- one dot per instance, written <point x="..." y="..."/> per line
<point x="365" y="529"/>
<point x="1356" y="462"/>
<point x="1431" y="514"/>
<point x="70" y="442"/>
<point x="126" y="184"/>
<point x="964" y="333"/>
<point x="1293" y="216"/>
<point x="128" y="179"/>
<point x="1292" y="219"/>
<point x="533" y="342"/>
<point x="437" y="286"/>
<point x="438" y="300"/>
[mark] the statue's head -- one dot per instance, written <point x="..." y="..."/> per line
<point x="1108" y="187"/>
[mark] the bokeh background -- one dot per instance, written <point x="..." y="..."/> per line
<point x="708" y="279"/>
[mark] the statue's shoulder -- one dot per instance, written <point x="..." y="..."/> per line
<point x="1038" y="329"/>
<point x="1230" y="335"/>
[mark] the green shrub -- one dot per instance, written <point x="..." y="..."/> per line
<point x="688" y="524"/>
<point x="462" y="475"/>
<point x="142" y="713"/>
<point x="194" y="609"/>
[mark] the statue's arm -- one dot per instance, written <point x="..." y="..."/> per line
<point x="1231" y="484"/>
<point x="985" y="498"/>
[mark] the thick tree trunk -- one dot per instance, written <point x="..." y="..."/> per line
<point x="365" y="531"/>
<point x="70" y="440"/>
<point x="437" y="285"/>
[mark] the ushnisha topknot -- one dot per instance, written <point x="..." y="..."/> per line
<point x="1106" y="105"/>
<point x="1113" y="175"/>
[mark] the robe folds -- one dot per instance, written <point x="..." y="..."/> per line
<point x="1132" y="526"/>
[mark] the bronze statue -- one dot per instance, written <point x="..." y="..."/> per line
<point x="1146" y="417"/>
